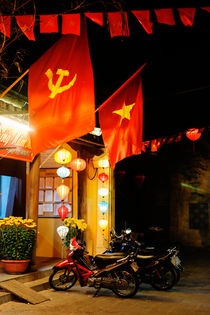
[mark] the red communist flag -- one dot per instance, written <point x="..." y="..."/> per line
<point x="121" y="120"/>
<point x="61" y="93"/>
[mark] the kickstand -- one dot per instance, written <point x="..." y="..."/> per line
<point x="96" y="293"/>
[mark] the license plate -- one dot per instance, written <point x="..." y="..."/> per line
<point x="175" y="260"/>
<point x="134" y="266"/>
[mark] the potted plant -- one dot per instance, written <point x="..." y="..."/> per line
<point x="76" y="228"/>
<point x="17" y="239"/>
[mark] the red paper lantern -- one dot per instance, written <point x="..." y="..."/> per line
<point x="62" y="211"/>
<point x="193" y="134"/>
<point x="103" y="177"/>
<point x="78" y="164"/>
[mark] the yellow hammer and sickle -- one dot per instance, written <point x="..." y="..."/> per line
<point x="56" y="88"/>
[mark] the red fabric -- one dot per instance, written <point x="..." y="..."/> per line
<point x="63" y="115"/>
<point x="5" y="22"/>
<point x="155" y="145"/>
<point x="71" y="24"/>
<point x="144" y="19"/>
<point x="48" y="23"/>
<point x="187" y="15"/>
<point x="206" y="8"/>
<point x="26" y="24"/>
<point x="96" y="17"/>
<point x="165" y="16"/>
<point x="123" y="136"/>
<point x="118" y="24"/>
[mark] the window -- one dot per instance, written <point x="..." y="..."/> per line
<point x="49" y="200"/>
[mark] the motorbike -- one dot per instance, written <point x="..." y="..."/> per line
<point x="160" y="268"/>
<point x="99" y="272"/>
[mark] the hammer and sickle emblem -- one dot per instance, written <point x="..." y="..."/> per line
<point x="56" y="88"/>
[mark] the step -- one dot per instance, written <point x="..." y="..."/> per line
<point x="38" y="281"/>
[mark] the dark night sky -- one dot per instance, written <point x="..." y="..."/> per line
<point x="176" y="80"/>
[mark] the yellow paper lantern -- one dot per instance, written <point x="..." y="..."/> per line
<point x="62" y="156"/>
<point x="103" y="224"/>
<point x="62" y="191"/>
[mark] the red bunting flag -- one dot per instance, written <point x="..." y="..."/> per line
<point x="5" y="22"/>
<point x="206" y="8"/>
<point x="187" y="15"/>
<point x="155" y="144"/>
<point x="143" y="17"/>
<point x="96" y="18"/>
<point x="118" y="24"/>
<point x="121" y="120"/>
<point x="61" y="93"/>
<point x="26" y="24"/>
<point x="71" y="24"/>
<point x="165" y="16"/>
<point x="48" y="23"/>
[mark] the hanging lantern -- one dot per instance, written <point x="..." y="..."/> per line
<point x="62" y="191"/>
<point x="103" y="177"/>
<point x="78" y="164"/>
<point x="103" y="224"/>
<point x="62" y="156"/>
<point x="62" y="211"/>
<point x="193" y="134"/>
<point x="62" y="231"/>
<point x="103" y="192"/>
<point x="103" y="163"/>
<point x="63" y="172"/>
<point x="103" y="206"/>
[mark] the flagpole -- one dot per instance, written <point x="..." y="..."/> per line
<point x="121" y="87"/>
<point x="14" y="83"/>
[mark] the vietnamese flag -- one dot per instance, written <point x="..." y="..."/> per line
<point x="121" y="120"/>
<point x="61" y="93"/>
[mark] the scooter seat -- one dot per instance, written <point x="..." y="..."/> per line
<point x="109" y="256"/>
<point x="103" y="260"/>
<point x="145" y="257"/>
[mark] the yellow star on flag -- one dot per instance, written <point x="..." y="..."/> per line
<point x="124" y="112"/>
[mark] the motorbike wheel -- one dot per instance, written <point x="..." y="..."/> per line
<point x="133" y="283"/>
<point x="61" y="279"/>
<point x="164" y="278"/>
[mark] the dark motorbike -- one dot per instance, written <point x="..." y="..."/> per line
<point x="100" y="272"/>
<point x="159" y="268"/>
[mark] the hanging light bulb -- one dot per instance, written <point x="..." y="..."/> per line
<point x="103" y="192"/>
<point x="63" y="172"/>
<point x="62" y="191"/>
<point x="78" y="164"/>
<point x="103" y="177"/>
<point x="62" y="231"/>
<point x="103" y="163"/>
<point x="103" y="224"/>
<point x="62" y="156"/>
<point x="103" y="206"/>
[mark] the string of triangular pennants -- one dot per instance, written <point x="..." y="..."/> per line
<point x="155" y="144"/>
<point x="17" y="146"/>
<point x="117" y="21"/>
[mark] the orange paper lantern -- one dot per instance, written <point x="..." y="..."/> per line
<point x="78" y="164"/>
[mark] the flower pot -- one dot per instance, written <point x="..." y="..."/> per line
<point x="15" y="266"/>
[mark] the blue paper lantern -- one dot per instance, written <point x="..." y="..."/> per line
<point x="63" y="172"/>
<point x="103" y="206"/>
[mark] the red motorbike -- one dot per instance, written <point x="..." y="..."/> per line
<point x="103" y="271"/>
